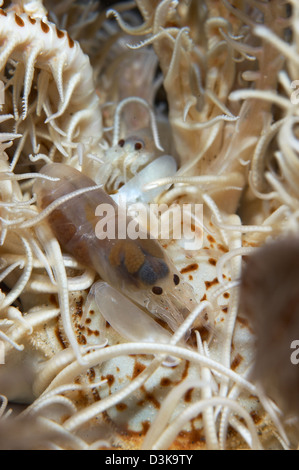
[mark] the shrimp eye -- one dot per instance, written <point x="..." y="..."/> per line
<point x="138" y="146"/>
<point x="157" y="290"/>
<point x="176" y="279"/>
<point x="121" y="143"/>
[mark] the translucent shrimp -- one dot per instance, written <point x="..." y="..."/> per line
<point x="139" y="268"/>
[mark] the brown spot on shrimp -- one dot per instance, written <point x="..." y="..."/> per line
<point x="133" y="256"/>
